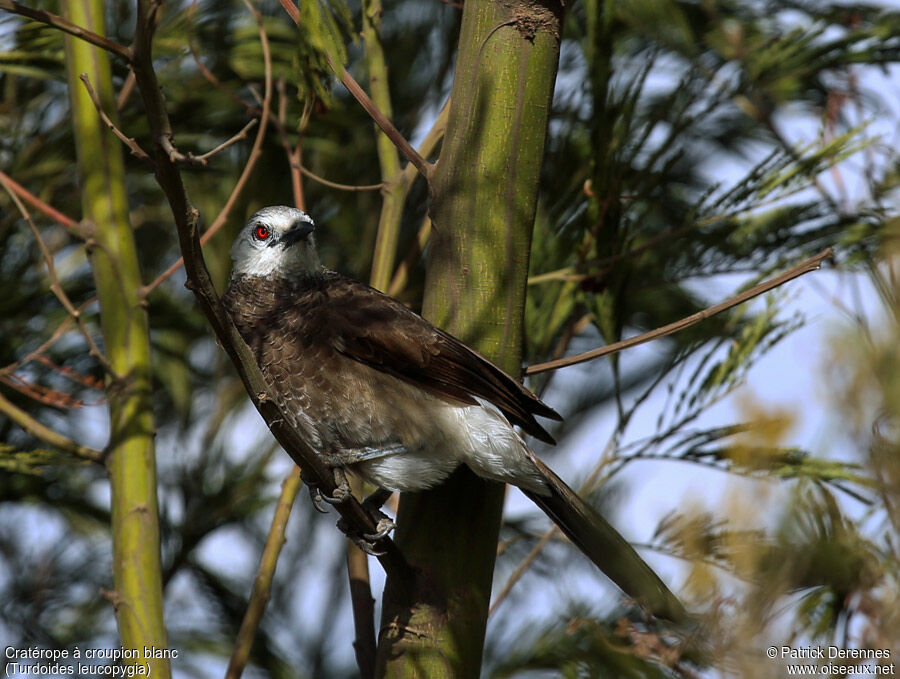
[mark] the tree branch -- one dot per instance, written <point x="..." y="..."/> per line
<point x="56" y="285"/>
<point x="364" y="646"/>
<point x="255" y="154"/>
<point x="46" y="434"/>
<point x="423" y="166"/>
<point x="432" y="139"/>
<point x="811" y="264"/>
<point x="294" y="154"/>
<point x="67" y="26"/>
<point x="262" y="584"/>
<point x="203" y="159"/>
<point x="63" y="220"/>
<point x="336" y="185"/>
<point x="130" y="142"/>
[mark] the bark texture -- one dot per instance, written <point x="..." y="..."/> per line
<point x="131" y="460"/>
<point x="483" y="201"/>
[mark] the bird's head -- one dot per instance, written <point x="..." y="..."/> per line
<point x="276" y="242"/>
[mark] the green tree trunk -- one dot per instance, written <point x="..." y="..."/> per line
<point x="131" y="461"/>
<point x="484" y="196"/>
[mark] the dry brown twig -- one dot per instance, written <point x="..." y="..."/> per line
<point x="262" y="583"/>
<point x="812" y="264"/>
<point x="336" y="185"/>
<point x="203" y="158"/>
<point x="130" y="142"/>
<point x="63" y="220"/>
<point x="255" y="153"/>
<point x="67" y="26"/>
<point x="56" y="286"/>
<point x="176" y="155"/>
<point x="423" y="166"/>
<point x="809" y="265"/>
<point x="293" y="154"/>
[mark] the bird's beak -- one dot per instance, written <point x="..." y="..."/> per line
<point x="299" y="231"/>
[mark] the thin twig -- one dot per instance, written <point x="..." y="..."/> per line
<point x="49" y="211"/>
<point x="130" y="142"/>
<point x="262" y="584"/>
<point x="202" y="160"/>
<point x="61" y="330"/>
<point x="240" y="136"/>
<point x="431" y="141"/>
<point x="214" y="81"/>
<point x="517" y="574"/>
<point x="292" y="10"/>
<point x="294" y="158"/>
<point x="811" y="264"/>
<point x="255" y="154"/>
<point x="363" y="606"/>
<point x="56" y="286"/>
<point x="46" y="434"/>
<point x="125" y="92"/>
<point x="574" y="327"/>
<point x="67" y="26"/>
<point x="401" y="273"/>
<point x="423" y="166"/>
<point x="342" y="187"/>
<point x="256" y="149"/>
<point x="292" y="153"/>
<point x="47" y="396"/>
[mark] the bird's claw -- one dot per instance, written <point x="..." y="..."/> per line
<point x="316" y="496"/>
<point x="382" y="529"/>
<point x="372" y="504"/>
<point x="341" y="491"/>
<point x="365" y="541"/>
<point x="383" y="524"/>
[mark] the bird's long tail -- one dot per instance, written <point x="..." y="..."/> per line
<point x="605" y="546"/>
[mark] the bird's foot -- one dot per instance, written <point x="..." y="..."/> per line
<point x="383" y="523"/>
<point x="368" y="546"/>
<point x="366" y="541"/>
<point x="341" y="490"/>
<point x="341" y="487"/>
<point x="383" y="528"/>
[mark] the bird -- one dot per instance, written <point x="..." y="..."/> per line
<point x="378" y="390"/>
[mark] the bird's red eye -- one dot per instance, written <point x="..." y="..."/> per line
<point x="262" y="232"/>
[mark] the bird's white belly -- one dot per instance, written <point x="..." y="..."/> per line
<point x="438" y="436"/>
<point x="368" y="410"/>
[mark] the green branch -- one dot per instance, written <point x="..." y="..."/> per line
<point x="46" y="434"/>
<point x="262" y="584"/>
<point x="131" y="460"/>
<point x="484" y="197"/>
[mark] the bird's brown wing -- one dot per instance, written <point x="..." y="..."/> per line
<point x="375" y="329"/>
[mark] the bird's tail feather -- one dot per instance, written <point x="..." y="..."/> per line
<point x="605" y="546"/>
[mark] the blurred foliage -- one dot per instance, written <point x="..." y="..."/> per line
<point x="688" y="140"/>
